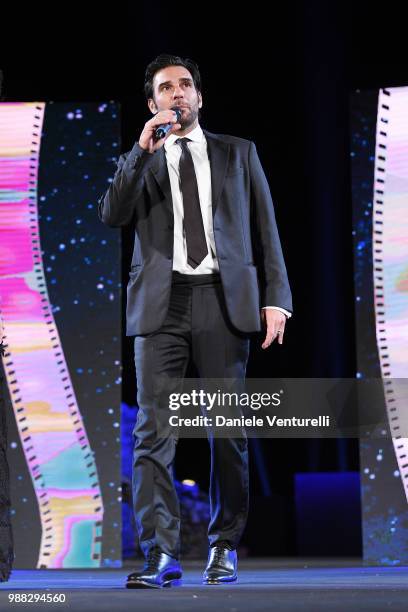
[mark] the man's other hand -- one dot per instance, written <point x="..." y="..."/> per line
<point x="274" y="321"/>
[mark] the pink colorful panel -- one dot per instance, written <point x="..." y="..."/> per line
<point x="50" y="425"/>
<point x="390" y="257"/>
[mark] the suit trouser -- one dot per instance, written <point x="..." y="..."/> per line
<point x="197" y="327"/>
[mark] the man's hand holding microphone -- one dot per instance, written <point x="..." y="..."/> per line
<point x="169" y="120"/>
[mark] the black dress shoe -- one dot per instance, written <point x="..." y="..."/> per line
<point x="6" y="561"/>
<point x="160" y="570"/>
<point x="221" y="565"/>
<point x="4" y="573"/>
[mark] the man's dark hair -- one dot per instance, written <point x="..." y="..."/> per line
<point x="163" y="61"/>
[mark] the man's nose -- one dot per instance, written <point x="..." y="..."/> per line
<point x="178" y="92"/>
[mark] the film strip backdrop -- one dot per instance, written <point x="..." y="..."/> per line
<point x="380" y="202"/>
<point x="390" y="255"/>
<point x="76" y="521"/>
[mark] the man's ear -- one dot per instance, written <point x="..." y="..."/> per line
<point x="152" y="106"/>
<point x="200" y="100"/>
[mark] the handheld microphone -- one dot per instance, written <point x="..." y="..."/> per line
<point x="162" y="130"/>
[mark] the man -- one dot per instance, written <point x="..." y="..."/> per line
<point x="6" y="535"/>
<point x="207" y="267"/>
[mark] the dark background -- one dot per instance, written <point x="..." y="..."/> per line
<point x="281" y="75"/>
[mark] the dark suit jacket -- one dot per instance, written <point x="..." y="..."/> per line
<point x="251" y="263"/>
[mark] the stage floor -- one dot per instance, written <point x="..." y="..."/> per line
<point x="263" y="584"/>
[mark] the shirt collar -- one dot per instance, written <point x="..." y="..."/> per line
<point x="196" y="135"/>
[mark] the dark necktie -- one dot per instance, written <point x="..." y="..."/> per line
<point x="193" y="221"/>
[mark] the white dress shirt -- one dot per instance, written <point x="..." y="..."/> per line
<point x="199" y="154"/>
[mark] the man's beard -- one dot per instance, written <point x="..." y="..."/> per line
<point x="188" y="119"/>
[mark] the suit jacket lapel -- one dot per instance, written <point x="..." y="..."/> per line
<point x="161" y="174"/>
<point x="218" y="153"/>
